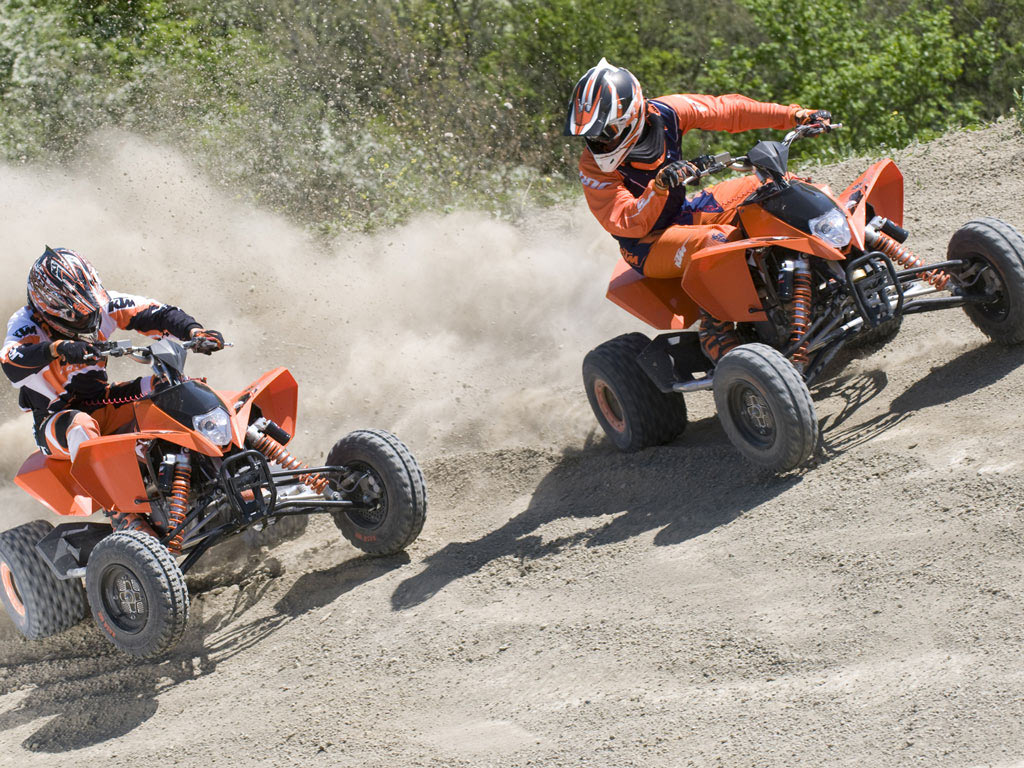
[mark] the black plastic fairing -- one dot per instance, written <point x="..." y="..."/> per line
<point x="67" y="547"/>
<point x="183" y="401"/>
<point x="797" y="204"/>
<point x="771" y="157"/>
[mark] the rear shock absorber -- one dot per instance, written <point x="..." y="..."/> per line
<point x="801" y="309"/>
<point x="277" y="453"/>
<point x="177" y="502"/>
<point x="902" y="256"/>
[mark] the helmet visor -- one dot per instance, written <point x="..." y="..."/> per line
<point x="84" y="323"/>
<point x="608" y="140"/>
<point x="73" y="323"/>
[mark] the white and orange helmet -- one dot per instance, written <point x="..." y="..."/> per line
<point x="607" y="109"/>
<point x="64" y="288"/>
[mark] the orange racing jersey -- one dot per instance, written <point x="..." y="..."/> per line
<point x="46" y="384"/>
<point x="625" y="200"/>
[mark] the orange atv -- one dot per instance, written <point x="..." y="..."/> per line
<point x="812" y="273"/>
<point x="199" y="465"/>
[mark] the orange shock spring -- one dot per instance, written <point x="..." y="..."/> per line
<point x="177" y="505"/>
<point x="276" y="452"/>
<point x="902" y="256"/>
<point x="801" y="310"/>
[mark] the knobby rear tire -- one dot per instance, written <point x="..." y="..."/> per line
<point x="37" y="601"/>
<point x="631" y="410"/>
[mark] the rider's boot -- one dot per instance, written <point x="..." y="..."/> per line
<point x="716" y="337"/>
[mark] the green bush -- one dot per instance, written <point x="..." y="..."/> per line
<point x="355" y="115"/>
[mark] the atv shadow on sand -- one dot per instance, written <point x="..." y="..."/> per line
<point x="963" y="375"/>
<point x="681" y="491"/>
<point x="692" y="486"/>
<point x="87" y="694"/>
<point x="311" y="591"/>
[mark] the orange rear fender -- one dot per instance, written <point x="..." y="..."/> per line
<point x="659" y="302"/>
<point x="49" y="481"/>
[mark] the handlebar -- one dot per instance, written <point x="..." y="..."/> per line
<point x="811" y="129"/>
<point x="124" y="348"/>
<point x="725" y="161"/>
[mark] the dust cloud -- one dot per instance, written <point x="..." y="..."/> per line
<point x="456" y="332"/>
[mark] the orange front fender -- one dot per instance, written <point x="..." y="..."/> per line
<point x="277" y="395"/>
<point x="49" y="481"/>
<point x="881" y="187"/>
<point x="108" y="467"/>
<point x="718" y="279"/>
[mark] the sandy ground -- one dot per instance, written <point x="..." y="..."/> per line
<point x="570" y="606"/>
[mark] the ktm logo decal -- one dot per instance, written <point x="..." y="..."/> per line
<point x="24" y="331"/>
<point x="122" y="302"/>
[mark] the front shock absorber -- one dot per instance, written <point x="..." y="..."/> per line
<point x="278" y="454"/>
<point x="801" y="310"/>
<point x="902" y="256"/>
<point x="177" y="502"/>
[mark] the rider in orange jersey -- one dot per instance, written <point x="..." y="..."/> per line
<point x="633" y="172"/>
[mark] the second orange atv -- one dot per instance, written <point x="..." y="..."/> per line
<point x="812" y="273"/>
<point x="199" y="465"/>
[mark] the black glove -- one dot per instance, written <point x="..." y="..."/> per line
<point x="207" y="341"/>
<point x="74" y="352"/>
<point x="703" y="162"/>
<point x="814" y="117"/>
<point x="674" y="174"/>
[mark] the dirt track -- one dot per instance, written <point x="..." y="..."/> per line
<point x="568" y="606"/>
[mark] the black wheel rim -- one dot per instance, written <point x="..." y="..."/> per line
<point x="124" y="600"/>
<point x="990" y="284"/>
<point x="752" y="415"/>
<point x="369" y="490"/>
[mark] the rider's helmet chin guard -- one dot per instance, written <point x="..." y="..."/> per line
<point x="607" y="109"/>
<point x="65" y="290"/>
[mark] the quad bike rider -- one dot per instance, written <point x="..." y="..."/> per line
<point x="780" y="273"/>
<point x="174" y="464"/>
<point x="632" y="172"/>
<point x="51" y="356"/>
